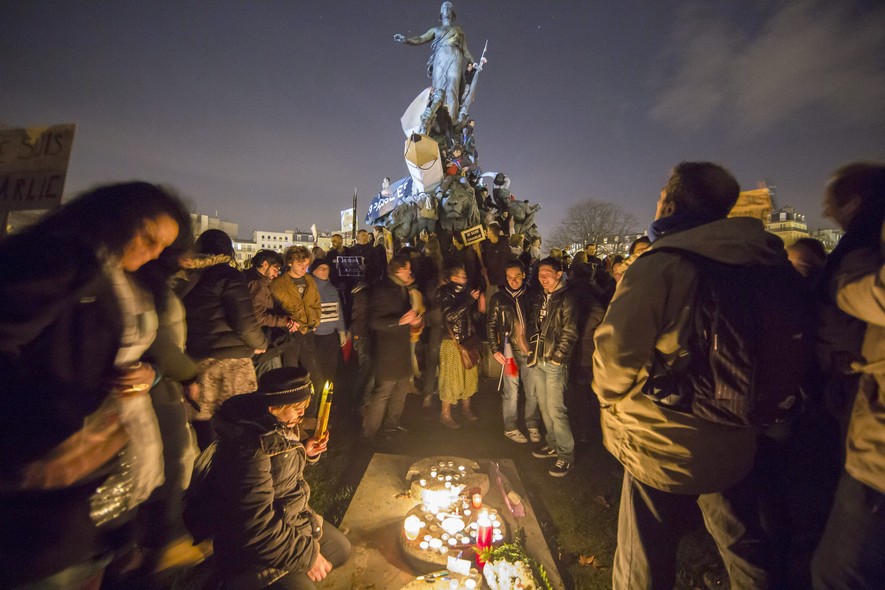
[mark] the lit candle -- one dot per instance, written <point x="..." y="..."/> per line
<point x="477" y="501"/>
<point x="467" y="512"/>
<point x="460" y="468"/>
<point x="412" y="526"/>
<point x="483" y="536"/>
<point x="452" y="541"/>
<point x="469" y="584"/>
<point x="435" y="543"/>
<point x="451" y="463"/>
<point x="423" y="482"/>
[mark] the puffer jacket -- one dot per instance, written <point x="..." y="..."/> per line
<point x="268" y="528"/>
<point x="862" y="295"/>
<point x="559" y="330"/>
<point x="668" y="450"/>
<point x="506" y="308"/>
<point x="220" y="320"/>
<point x="456" y="304"/>
<point x="304" y="309"/>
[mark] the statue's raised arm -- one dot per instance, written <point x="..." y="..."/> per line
<point x="448" y="61"/>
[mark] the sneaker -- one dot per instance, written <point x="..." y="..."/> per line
<point x="544" y="452"/>
<point x="534" y="435"/>
<point x="560" y="468"/>
<point x="516" y="436"/>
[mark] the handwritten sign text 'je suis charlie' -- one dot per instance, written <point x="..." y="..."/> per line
<point x="33" y="166"/>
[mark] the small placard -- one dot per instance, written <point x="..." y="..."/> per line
<point x="473" y="235"/>
<point x="350" y="266"/>
<point x="459" y="566"/>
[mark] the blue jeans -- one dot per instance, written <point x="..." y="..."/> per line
<point x="850" y="552"/>
<point x="549" y="386"/>
<point x="510" y="396"/>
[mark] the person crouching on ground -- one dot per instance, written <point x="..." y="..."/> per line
<point x="264" y="531"/>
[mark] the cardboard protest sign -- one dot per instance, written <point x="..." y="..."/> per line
<point x="350" y="266"/>
<point x="33" y="166"/>
<point x="473" y="235"/>
<point x="425" y="166"/>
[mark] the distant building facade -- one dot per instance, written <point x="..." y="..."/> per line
<point x="787" y="224"/>
<point x="201" y="222"/>
<point x="828" y="237"/>
<point x="757" y="203"/>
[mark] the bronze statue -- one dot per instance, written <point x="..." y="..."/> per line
<point x="446" y="65"/>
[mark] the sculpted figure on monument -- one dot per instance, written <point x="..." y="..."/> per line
<point x="446" y="66"/>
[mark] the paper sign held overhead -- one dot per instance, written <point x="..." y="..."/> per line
<point x="473" y="235"/>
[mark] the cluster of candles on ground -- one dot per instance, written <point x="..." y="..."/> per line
<point x="449" y="519"/>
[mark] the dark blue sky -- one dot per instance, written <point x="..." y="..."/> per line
<point x="271" y="112"/>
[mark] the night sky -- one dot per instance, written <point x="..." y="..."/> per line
<point x="272" y="112"/>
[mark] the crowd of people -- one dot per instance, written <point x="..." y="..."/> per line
<point x="147" y="383"/>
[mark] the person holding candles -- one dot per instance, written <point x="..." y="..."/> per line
<point x="249" y="493"/>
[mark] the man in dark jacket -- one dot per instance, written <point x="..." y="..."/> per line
<point x="253" y="500"/>
<point x="495" y="255"/>
<point x="506" y="330"/>
<point x="391" y="319"/>
<point x="361" y="295"/>
<point x="676" y="462"/>
<point x="276" y="323"/>
<point x="554" y="333"/>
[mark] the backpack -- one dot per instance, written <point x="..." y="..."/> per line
<point x="749" y="345"/>
<point x="199" y="511"/>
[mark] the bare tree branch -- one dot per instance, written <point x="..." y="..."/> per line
<point x="590" y="222"/>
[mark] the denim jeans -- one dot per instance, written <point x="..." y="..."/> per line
<point x="385" y="406"/>
<point x="549" y="386"/>
<point x="850" y="552"/>
<point x="510" y="396"/>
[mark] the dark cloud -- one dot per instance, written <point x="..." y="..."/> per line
<point x="791" y="58"/>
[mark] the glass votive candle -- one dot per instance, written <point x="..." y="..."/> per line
<point x="412" y="527"/>
<point x="435" y="543"/>
<point x="423" y="482"/>
<point x="460" y="468"/>
<point x="424" y="545"/>
<point x="476" y="501"/>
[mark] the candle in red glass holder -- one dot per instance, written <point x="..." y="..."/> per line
<point x="476" y="500"/>
<point x="483" y="536"/>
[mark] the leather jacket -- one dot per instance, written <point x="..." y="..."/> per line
<point x="559" y="329"/>
<point x="456" y="305"/>
<point x="504" y="311"/>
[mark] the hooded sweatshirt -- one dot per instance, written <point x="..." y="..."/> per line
<point x="668" y="450"/>
<point x="331" y="318"/>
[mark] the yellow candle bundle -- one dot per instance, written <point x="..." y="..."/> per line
<point x="325" y="410"/>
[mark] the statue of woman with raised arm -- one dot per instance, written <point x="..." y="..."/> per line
<point x="446" y="65"/>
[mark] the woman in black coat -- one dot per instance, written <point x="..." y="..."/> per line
<point x="222" y="331"/>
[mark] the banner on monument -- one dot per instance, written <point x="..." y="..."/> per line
<point x="384" y="203"/>
<point x="33" y="166"/>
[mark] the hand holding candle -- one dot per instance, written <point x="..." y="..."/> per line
<point x="325" y="410"/>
